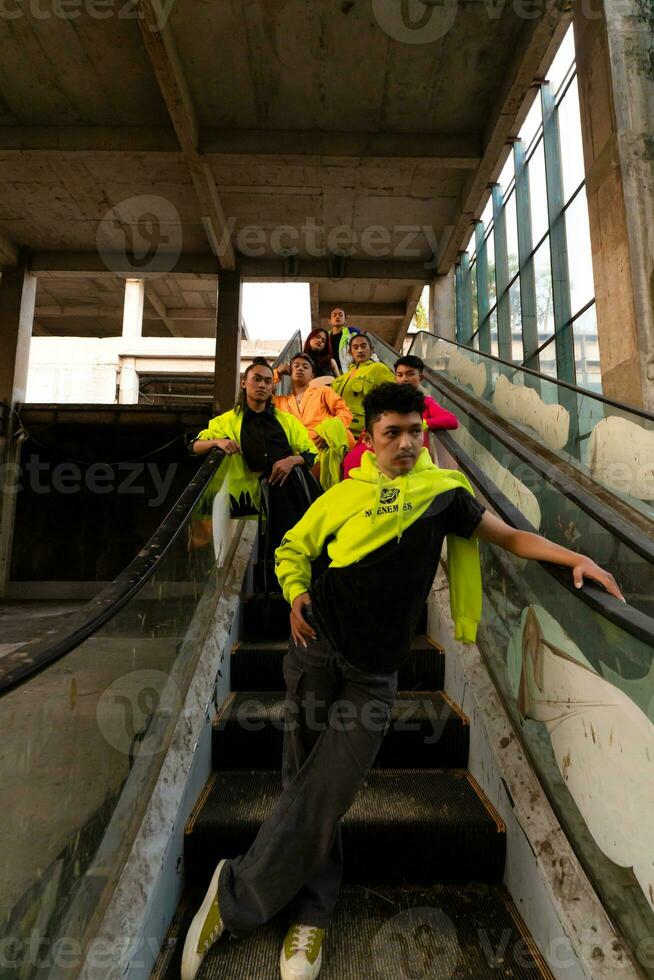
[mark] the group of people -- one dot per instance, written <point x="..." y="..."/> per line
<point x="328" y="405"/>
<point x="352" y="615"/>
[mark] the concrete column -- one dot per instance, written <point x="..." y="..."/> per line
<point x="228" y="341"/>
<point x="132" y="329"/>
<point x="616" y="90"/>
<point x="314" y="289"/>
<point x="442" y="306"/>
<point x="17" y="300"/>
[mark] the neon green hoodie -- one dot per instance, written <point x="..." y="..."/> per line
<point x="244" y="487"/>
<point x="353" y="518"/>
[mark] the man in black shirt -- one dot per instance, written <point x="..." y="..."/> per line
<point x="265" y="444"/>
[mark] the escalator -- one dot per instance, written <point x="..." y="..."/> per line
<point x="143" y="744"/>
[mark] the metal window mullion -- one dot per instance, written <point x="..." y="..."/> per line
<point x="504" y="341"/>
<point x="466" y="298"/>
<point x="458" y="292"/>
<point x="526" y="259"/>
<point x="483" y="299"/>
<point x="565" y="354"/>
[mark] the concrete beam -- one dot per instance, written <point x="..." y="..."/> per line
<point x="89" y="139"/>
<point x="158" y="312"/>
<point x="380" y="311"/>
<point x="92" y="265"/>
<point x="442" y="151"/>
<point x="162" y="313"/>
<point x="317" y="270"/>
<point x="160" y="46"/>
<point x="533" y="52"/>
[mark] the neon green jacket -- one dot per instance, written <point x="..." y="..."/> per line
<point x="347" y="516"/>
<point x="354" y="385"/>
<point x="244" y="489"/>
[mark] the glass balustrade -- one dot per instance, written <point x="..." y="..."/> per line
<point x="611" y="444"/>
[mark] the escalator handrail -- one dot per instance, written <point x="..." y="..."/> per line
<point x="621" y="614"/>
<point x="632" y="410"/>
<point x="31" y="658"/>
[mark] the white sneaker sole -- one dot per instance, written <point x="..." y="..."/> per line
<point x="191" y="959"/>
<point x="288" y="973"/>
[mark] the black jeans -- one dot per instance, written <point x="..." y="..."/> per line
<point x="336" y="717"/>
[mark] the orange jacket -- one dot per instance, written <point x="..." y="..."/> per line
<point x="317" y="404"/>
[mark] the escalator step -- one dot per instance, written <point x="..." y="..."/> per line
<point x="428" y="732"/>
<point x="267" y="618"/>
<point x="451" y="931"/>
<point x="421" y="826"/>
<point x="257" y="666"/>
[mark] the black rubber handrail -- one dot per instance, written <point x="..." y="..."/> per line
<point x="641" y="412"/>
<point x="629" y="619"/>
<point x="31" y="658"/>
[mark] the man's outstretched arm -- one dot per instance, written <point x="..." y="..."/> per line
<point x="525" y="544"/>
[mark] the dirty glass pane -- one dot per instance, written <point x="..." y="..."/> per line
<point x="512" y="235"/>
<point x="580" y="256"/>
<point x="538" y="194"/>
<point x="572" y="149"/>
<point x="544" y="298"/>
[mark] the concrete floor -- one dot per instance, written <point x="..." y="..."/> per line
<point x="23" y="620"/>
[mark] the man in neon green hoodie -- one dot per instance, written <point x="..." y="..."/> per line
<point x="267" y="449"/>
<point x="360" y="379"/>
<point x="351" y="628"/>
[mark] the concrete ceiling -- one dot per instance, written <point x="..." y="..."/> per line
<point x="269" y="133"/>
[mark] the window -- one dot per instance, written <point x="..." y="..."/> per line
<point x="540" y="319"/>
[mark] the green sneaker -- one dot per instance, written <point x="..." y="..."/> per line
<point x="206" y="927"/>
<point x="301" y="956"/>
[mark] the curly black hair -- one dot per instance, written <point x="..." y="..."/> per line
<point x="391" y="397"/>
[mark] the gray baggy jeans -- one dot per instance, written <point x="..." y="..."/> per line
<point x="336" y="717"/>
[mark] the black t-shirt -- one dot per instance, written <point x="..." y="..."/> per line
<point x="263" y="441"/>
<point x="369" y="610"/>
